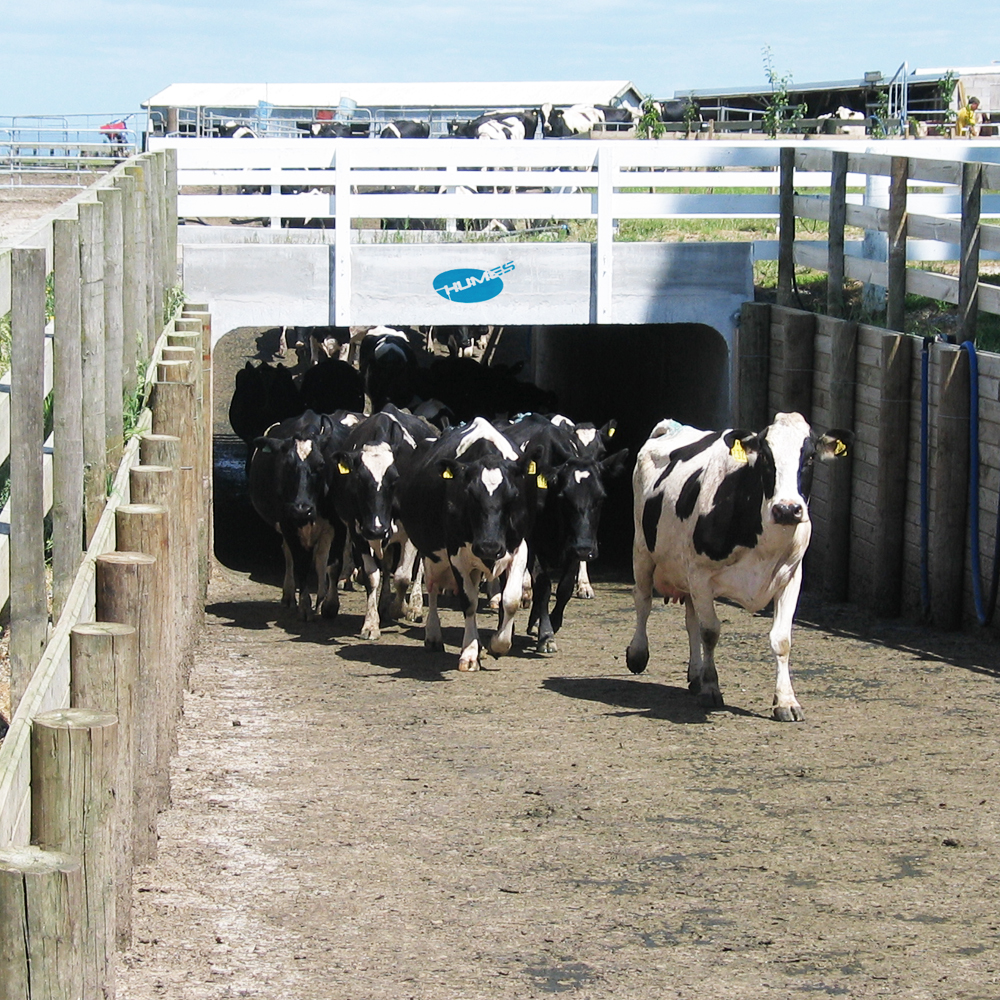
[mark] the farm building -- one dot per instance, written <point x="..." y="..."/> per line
<point x="273" y="109"/>
<point x="930" y="96"/>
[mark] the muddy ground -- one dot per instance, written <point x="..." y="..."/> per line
<point x="358" y="821"/>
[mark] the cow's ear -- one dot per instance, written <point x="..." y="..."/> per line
<point x="266" y="444"/>
<point x="529" y="463"/>
<point x="607" y="432"/>
<point x="449" y="469"/>
<point x="614" y="465"/>
<point x="834" y="444"/>
<point x="343" y="462"/>
<point x="743" y="445"/>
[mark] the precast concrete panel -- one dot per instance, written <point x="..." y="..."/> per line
<point x="471" y="283"/>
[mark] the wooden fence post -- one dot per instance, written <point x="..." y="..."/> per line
<point x="104" y="666"/>
<point x="896" y="267"/>
<point x="29" y="614"/>
<point x="797" y="332"/>
<point x="114" y="243"/>
<point x="41" y="899"/>
<point x="891" y="471"/>
<point x="154" y="200"/>
<point x="67" y="413"/>
<point x="127" y="592"/>
<point x="843" y="386"/>
<point x="786" y="227"/>
<point x="74" y="763"/>
<point x="92" y="305"/>
<point x="835" y="238"/>
<point x="142" y="258"/>
<point x="146" y="528"/>
<point x="131" y="309"/>
<point x="968" y="274"/>
<point x="949" y="487"/>
<point x="754" y="360"/>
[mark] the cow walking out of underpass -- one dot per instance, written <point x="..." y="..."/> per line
<point x="725" y="514"/>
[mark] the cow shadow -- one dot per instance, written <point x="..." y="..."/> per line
<point x="628" y="696"/>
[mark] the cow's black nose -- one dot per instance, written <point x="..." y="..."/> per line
<point x="586" y="552"/>
<point x="303" y="511"/>
<point x="488" y="552"/>
<point x="787" y="513"/>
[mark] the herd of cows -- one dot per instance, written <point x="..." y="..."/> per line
<point x="547" y="121"/>
<point x="452" y="476"/>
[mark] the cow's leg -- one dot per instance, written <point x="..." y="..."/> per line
<point x="786" y="708"/>
<point x="468" y="598"/>
<point x="703" y="633"/>
<point x="502" y="639"/>
<point x="335" y="562"/>
<point x="321" y="565"/>
<point x="584" y="589"/>
<point x="373" y="579"/>
<point x="432" y="627"/>
<point x="301" y="559"/>
<point x="563" y="593"/>
<point x="637" y="654"/>
<point x="288" y="584"/>
<point x="540" y="611"/>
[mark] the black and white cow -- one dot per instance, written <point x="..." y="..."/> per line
<point x="569" y="497"/>
<point x="388" y="366"/>
<point x="332" y="385"/>
<point x="288" y="490"/>
<point x="498" y="125"/>
<point x="592" y="442"/>
<point x="677" y="110"/>
<point x="724" y="514"/>
<point x="406" y="129"/>
<point x="467" y="507"/>
<point x="557" y="123"/>
<point x="458" y="340"/>
<point x="235" y="130"/>
<point x="363" y="473"/>
<point x="262" y="395"/>
<point x="330" y="130"/>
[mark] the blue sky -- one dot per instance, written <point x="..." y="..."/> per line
<point x="106" y="56"/>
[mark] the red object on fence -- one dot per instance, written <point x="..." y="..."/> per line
<point x="114" y="127"/>
<point x="324" y="116"/>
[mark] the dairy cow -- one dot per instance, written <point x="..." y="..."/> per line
<point x="725" y="514"/>
<point x="288" y="489"/>
<point x="467" y="507"/>
<point x="332" y="385"/>
<point x="498" y="125"/>
<point x="363" y="473"/>
<point x="388" y="366"/>
<point x="569" y="497"/>
<point x="405" y="129"/>
<point x="591" y="442"/>
<point x="559" y="123"/>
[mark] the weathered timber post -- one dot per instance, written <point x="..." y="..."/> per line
<point x="786" y="227"/>
<point x="41" y="900"/>
<point x="142" y="258"/>
<point x="754" y="354"/>
<point x="154" y="198"/>
<point x="843" y="385"/>
<point x="891" y="468"/>
<point x="160" y="485"/>
<point x="127" y="592"/>
<point x="146" y="528"/>
<point x="74" y="764"/>
<point x="174" y="409"/>
<point x="170" y="215"/>
<point x="29" y="614"/>
<point x="131" y="308"/>
<point x="67" y="413"/>
<point x="896" y="289"/>
<point x="949" y="487"/>
<point x="835" y="238"/>
<point x="968" y="274"/>
<point x="104" y="666"/>
<point x="796" y="334"/>
<point x="92" y="306"/>
<point x="114" y="245"/>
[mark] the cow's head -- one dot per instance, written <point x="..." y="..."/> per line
<point x="296" y="468"/>
<point x="783" y="456"/>
<point x="367" y="476"/>
<point x="553" y="122"/>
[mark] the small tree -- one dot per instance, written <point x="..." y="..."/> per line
<point x="649" y="125"/>
<point x="779" y="114"/>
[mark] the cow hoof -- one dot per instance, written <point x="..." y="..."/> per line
<point x="330" y="611"/>
<point x="372" y="634"/>
<point x="287" y="601"/>
<point x="498" y="646"/>
<point x="466" y="665"/>
<point x="547" y="645"/>
<point x="636" y="662"/>
<point x="788" y="713"/>
<point x="585" y="593"/>
<point x="709" y="697"/>
<point x="414" y="616"/>
<point x="434" y="645"/>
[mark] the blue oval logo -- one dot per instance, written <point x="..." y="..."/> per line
<point x="466" y="284"/>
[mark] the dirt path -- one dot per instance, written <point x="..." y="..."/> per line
<point x="359" y="821"/>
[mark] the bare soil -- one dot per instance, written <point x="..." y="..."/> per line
<point x="359" y="821"/>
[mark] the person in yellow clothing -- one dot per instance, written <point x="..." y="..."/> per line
<point x="970" y="120"/>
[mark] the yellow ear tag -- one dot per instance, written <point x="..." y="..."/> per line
<point x="841" y="448"/>
<point x="611" y="432"/>
<point x="543" y="483"/>
<point x="447" y="474"/>
<point x="532" y="468"/>
<point x="343" y="469"/>
<point x="738" y="452"/>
